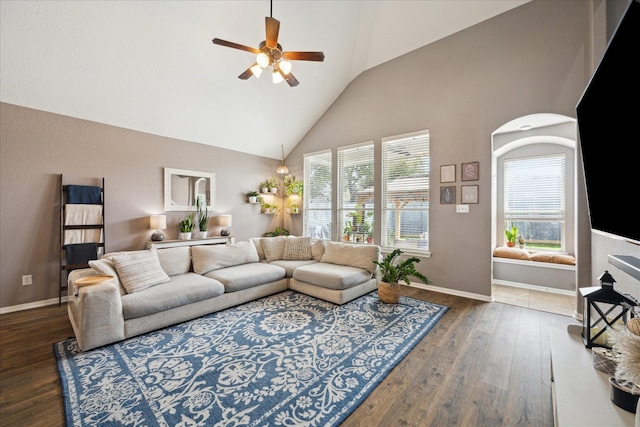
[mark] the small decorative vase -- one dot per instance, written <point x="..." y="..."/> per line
<point x="184" y="236"/>
<point x="389" y="293"/>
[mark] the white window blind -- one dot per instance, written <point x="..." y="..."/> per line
<point x="405" y="191"/>
<point x="317" y="195"/>
<point x="355" y="192"/>
<point x="534" y="198"/>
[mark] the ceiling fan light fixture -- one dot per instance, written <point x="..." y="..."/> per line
<point x="256" y="69"/>
<point x="262" y="59"/>
<point x="285" y="67"/>
<point x="277" y="77"/>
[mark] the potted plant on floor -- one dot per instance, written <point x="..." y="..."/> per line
<point x="203" y="217"/>
<point x="185" y="228"/>
<point x="394" y="271"/>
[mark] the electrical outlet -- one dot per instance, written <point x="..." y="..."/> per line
<point x="462" y="208"/>
<point x="27" y="280"/>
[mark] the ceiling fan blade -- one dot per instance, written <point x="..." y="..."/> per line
<point x="235" y="45"/>
<point x="246" y="74"/>
<point x="273" y="28"/>
<point x="303" y="56"/>
<point x="291" y="80"/>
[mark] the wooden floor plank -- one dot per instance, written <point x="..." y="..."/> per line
<point x="456" y="375"/>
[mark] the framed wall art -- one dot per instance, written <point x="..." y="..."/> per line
<point x="448" y="195"/>
<point x="448" y="173"/>
<point x="469" y="193"/>
<point x="470" y="171"/>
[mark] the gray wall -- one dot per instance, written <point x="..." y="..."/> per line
<point x="37" y="146"/>
<point x="535" y="58"/>
<point x="532" y="59"/>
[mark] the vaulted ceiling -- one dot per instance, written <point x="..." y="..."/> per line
<point x="151" y="66"/>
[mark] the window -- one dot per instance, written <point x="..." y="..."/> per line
<point x="405" y="191"/>
<point x="317" y="195"/>
<point x="355" y="192"/>
<point x="534" y="199"/>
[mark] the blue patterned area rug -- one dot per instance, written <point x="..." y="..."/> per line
<point x="285" y="360"/>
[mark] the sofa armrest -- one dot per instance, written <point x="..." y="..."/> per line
<point x="96" y="314"/>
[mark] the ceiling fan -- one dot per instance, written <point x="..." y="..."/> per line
<point x="270" y="55"/>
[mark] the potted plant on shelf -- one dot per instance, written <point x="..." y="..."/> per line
<point x="203" y="217"/>
<point x="185" y="228"/>
<point x="272" y="184"/>
<point x="395" y="270"/>
<point x="511" y="235"/>
<point x="264" y="186"/>
<point x="253" y="196"/>
<point x="293" y="207"/>
<point x="293" y="186"/>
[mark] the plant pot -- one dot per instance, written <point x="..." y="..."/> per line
<point x="623" y="396"/>
<point x="253" y="199"/>
<point x="511" y="244"/>
<point x="184" y="236"/>
<point x="203" y="234"/>
<point x="264" y="189"/>
<point x="389" y="293"/>
<point x="274" y="189"/>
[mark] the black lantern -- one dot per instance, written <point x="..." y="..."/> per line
<point x="603" y="309"/>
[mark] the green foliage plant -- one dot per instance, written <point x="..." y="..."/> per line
<point x="186" y="225"/>
<point x="511" y="234"/>
<point x="278" y="232"/>
<point x="397" y="270"/>
<point x="203" y="215"/>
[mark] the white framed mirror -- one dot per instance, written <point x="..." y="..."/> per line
<point x="182" y="187"/>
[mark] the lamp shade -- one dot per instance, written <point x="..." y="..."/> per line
<point x="158" y="222"/>
<point x="224" y="220"/>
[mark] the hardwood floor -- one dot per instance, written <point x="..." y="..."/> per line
<point x="483" y="364"/>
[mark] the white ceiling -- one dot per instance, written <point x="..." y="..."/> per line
<point x="151" y="66"/>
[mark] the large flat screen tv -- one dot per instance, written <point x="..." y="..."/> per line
<point x="608" y="116"/>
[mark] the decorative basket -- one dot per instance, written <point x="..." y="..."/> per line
<point x="389" y="293"/>
<point x="604" y="360"/>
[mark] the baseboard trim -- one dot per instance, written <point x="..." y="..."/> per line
<point x="29" y="305"/>
<point x="534" y="287"/>
<point x="448" y="291"/>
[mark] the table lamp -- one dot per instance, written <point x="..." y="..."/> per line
<point x="225" y="222"/>
<point x="157" y="223"/>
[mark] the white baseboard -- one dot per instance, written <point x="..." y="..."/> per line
<point x="452" y="292"/>
<point x="534" y="287"/>
<point x="35" y="304"/>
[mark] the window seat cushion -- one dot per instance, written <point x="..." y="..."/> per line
<point x="521" y="254"/>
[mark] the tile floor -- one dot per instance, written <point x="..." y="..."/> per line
<point x="537" y="300"/>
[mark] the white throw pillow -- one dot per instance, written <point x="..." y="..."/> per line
<point x="106" y="268"/>
<point x="297" y="249"/>
<point x="273" y="247"/>
<point x="317" y="249"/>
<point x="139" y="270"/>
<point x="207" y="258"/>
<point x="361" y="256"/>
<point x="175" y="261"/>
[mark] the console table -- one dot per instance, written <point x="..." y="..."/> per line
<point x="581" y="393"/>
<point x="213" y="240"/>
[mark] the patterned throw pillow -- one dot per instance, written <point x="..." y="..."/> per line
<point x="139" y="270"/>
<point x="297" y="248"/>
<point x="273" y="248"/>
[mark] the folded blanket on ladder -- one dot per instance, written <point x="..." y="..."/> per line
<point x="83" y="215"/>
<point x="84" y="194"/>
<point x="81" y="253"/>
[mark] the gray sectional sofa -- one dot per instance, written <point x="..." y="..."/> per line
<point x="151" y="289"/>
